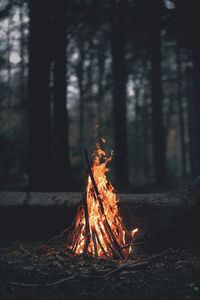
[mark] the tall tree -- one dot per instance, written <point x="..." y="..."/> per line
<point x="39" y="95"/>
<point x="62" y="169"/>
<point x="136" y="141"/>
<point x="188" y="14"/>
<point x="118" y="42"/>
<point x="101" y="71"/>
<point x="159" y="150"/>
<point x="190" y="112"/>
<point x="194" y="31"/>
<point x="22" y="48"/>
<point x="80" y="70"/>
<point x="181" y="112"/>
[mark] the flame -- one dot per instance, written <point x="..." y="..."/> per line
<point x="92" y="233"/>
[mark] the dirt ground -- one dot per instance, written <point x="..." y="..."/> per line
<point x="33" y="270"/>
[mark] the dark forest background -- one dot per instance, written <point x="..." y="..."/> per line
<point x="131" y="66"/>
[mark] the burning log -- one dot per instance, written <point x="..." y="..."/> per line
<point x="115" y="245"/>
<point x="102" y="230"/>
<point x="87" y="225"/>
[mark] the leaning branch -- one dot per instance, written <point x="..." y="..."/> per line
<point x="115" y="245"/>
<point x="87" y="225"/>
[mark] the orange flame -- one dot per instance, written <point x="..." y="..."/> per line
<point x="94" y="232"/>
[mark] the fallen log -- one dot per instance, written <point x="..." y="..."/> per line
<point x="172" y="215"/>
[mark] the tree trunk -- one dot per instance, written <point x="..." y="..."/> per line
<point x="119" y="93"/>
<point x="181" y="115"/>
<point x="9" y="45"/>
<point x="101" y="73"/>
<point x="22" y="46"/>
<point x="80" y="75"/>
<point x="159" y="148"/>
<point x="137" y="140"/>
<point x="89" y="81"/>
<point x="189" y="16"/>
<point x="191" y="130"/>
<point x="196" y="108"/>
<point x="39" y="106"/>
<point x="146" y="137"/>
<point x="62" y="173"/>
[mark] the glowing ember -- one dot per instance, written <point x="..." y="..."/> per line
<point x="99" y="230"/>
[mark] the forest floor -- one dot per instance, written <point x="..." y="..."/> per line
<point x="33" y="270"/>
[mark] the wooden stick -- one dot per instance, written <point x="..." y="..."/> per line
<point x="107" y="225"/>
<point x="109" y="244"/>
<point x="74" y="247"/>
<point x="73" y="250"/>
<point x="45" y="284"/>
<point x="95" y="244"/>
<point x="87" y="225"/>
<point x="100" y="245"/>
<point x="111" y="249"/>
<point x="93" y="182"/>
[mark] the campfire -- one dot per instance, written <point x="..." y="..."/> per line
<point x="98" y="230"/>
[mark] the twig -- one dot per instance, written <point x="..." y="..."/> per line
<point x="155" y="256"/>
<point x="56" y="237"/>
<point x="93" y="182"/>
<point x="43" y="285"/>
<point x="27" y="253"/>
<point x="73" y="250"/>
<point x="134" y="266"/>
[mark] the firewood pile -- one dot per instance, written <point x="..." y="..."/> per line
<point x="99" y="230"/>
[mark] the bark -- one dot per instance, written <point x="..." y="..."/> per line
<point x="181" y="115"/>
<point x="191" y="130"/>
<point x="189" y="17"/>
<point x="193" y="102"/>
<point x="62" y="174"/>
<point x="137" y="145"/>
<point x="22" y="46"/>
<point x="118" y="41"/>
<point x="146" y="137"/>
<point x="196" y="110"/>
<point x="9" y="45"/>
<point x="89" y="95"/>
<point x="194" y="24"/>
<point x="101" y="73"/>
<point x="80" y="75"/>
<point x="39" y="97"/>
<point x="159" y="149"/>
